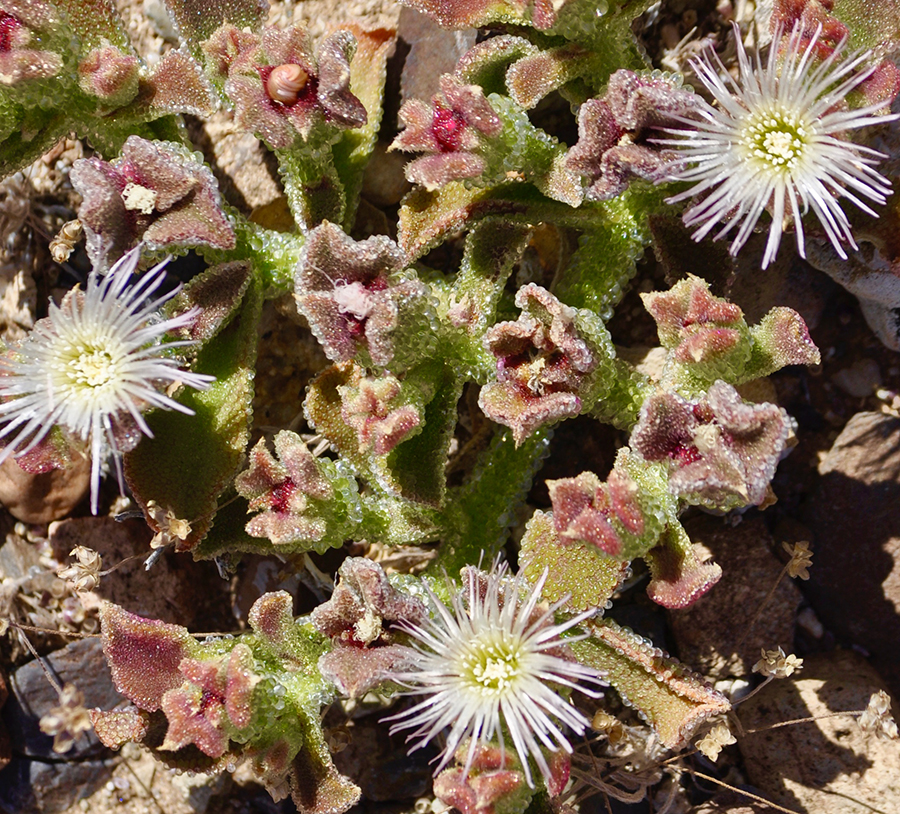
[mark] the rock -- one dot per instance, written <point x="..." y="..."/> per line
<point x="45" y="497"/>
<point x="176" y="589"/>
<point x="854" y="583"/>
<point x="860" y="379"/>
<point x="789" y="281"/>
<point x="871" y="276"/>
<point x="32" y="696"/>
<point x="35" y="787"/>
<point x="244" y="177"/>
<point x="828" y="766"/>
<point x="384" y="183"/>
<point x="708" y="633"/>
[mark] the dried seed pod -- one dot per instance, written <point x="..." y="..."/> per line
<point x="285" y="83"/>
<point x="64" y="243"/>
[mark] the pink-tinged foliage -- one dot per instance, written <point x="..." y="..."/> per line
<point x="615" y="133"/>
<point x="372" y="409"/>
<point x="357" y="670"/>
<point x="358" y="618"/>
<point x="317" y="787"/>
<point x="588" y="510"/>
<point x="177" y="85"/>
<point x="215" y="294"/>
<point x="110" y="75"/>
<point x="781" y="339"/>
<point x="144" y="655"/>
<point x="721" y="452"/>
<point x="272" y="618"/>
<point x="698" y="327"/>
<point x="351" y="293"/>
<point x="362" y="601"/>
<point x="450" y="130"/>
<point x="816" y="22"/>
<point x="115" y="728"/>
<point x="541" y="364"/>
<point x="494" y="783"/>
<point x="20" y="20"/>
<point x="53" y="452"/>
<point x="155" y="193"/>
<point x="215" y="692"/>
<point x="677" y="577"/>
<point x="196" y="711"/>
<point x="542" y="14"/>
<point x="282" y="491"/>
<point x="278" y="88"/>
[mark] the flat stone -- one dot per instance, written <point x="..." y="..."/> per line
<point x="828" y="766"/>
<point x="711" y="635"/>
<point x="34" y="787"/>
<point x="854" y="583"/>
<point x="32" y="696"/>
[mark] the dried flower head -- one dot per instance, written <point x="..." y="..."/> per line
<point x="776" y="140"/>
<point x="801" y="559"/>
<point x="775" y="664"/>
<point x="877" y="717"/>
<point x="170" y="528"/>
<point x="67" y="721"/>
<point x="93" y="366"/>
<point x="485" y="667"/>
<point x="715" y="740"/>
<point x="84" y="573"/>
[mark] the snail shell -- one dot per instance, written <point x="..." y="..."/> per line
<point x="285" y="83"/>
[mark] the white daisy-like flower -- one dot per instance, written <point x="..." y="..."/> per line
<point x="776" y="140"/>
<point x="93" y="366"/>
<point x="486" y="667"/>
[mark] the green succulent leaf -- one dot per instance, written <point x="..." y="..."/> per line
<point x="672" y="699"/>
<point x="192" y="459"/>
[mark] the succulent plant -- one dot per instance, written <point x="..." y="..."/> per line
<point x="424" y="353"/>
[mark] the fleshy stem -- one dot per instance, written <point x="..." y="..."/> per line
<point x="499" y="483"/>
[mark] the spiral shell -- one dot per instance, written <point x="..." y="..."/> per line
<point x="285" y="83"/>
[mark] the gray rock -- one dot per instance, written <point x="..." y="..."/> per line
<point x="32" y="696"/>
<point x="35" y="787"/>
<point x="854" y="583"/>
<point x="829" y="766"/>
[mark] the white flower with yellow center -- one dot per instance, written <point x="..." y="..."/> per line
<point x="776" y="140"/>
<point x="93" y="366"/>
<point x="487" y="666"/>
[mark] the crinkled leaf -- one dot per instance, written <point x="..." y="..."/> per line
<point x="192" y="458"/>
<point x="217" y="292"/>
<point x="196" y="20"/>
<point x="417" y="466"/>
<point x="127" y="641"/>
<point x="575" y="569"/>
<point x="673" y="700"/>
<point x="95" y="21"/>
<point x="367" y="74"/>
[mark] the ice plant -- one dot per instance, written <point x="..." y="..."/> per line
<point x="93" y="366"/>
<point x="777" y="140"/>
<point x="485" y="667"/>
